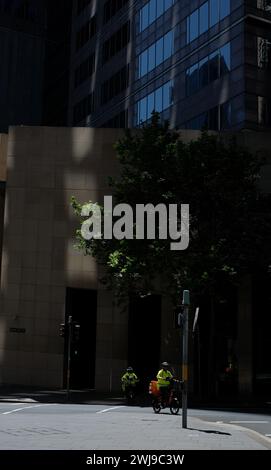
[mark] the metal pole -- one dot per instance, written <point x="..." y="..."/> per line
<point x="69" y="356"/>
<point x="186" y="303"/>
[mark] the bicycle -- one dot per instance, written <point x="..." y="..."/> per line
<point x="172" y="400"/>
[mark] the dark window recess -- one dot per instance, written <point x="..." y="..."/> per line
<point x="84" y="71"/>
<point x="115" y="85"/>
<point x="116" y="42"/>
<point x="264" y="111"/>
<point x="86" y="33"/>
<point x="81" y="5"/>
<point x="112" y="7"/>
<point x="207" y="120"/>
<point x="120" y="121"/>
<point x="83" y="109"/>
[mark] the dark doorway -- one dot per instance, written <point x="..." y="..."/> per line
<point x="145" y="337"/>
<point x="81" y="304"/>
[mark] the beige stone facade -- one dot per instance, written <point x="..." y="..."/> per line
<point x="45" y="168"/>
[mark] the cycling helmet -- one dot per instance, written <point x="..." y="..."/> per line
<point x="130" y="369"/>
<point x="165" y="364"/>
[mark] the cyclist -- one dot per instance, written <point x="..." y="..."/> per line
<point x="164" y="378"/>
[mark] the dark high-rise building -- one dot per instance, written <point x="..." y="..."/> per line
<point x="200" y="63"/>
<point x="35" y="57"/>
<point x="22" y="49"/>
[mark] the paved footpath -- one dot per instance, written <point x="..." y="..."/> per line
<point x="93" y="427"/>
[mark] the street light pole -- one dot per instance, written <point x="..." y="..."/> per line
<point x="186" y="303"/>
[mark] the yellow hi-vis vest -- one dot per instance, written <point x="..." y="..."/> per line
<point x="129" y="379"/>
<point x="161" y="377"/>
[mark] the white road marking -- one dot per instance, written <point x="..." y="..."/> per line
<point x="219" y="422"/>
<point x="110" y="409"/>
<point x="250" y="422"/>
<point x="268" y="435"/>
<point x="27" y="408"/>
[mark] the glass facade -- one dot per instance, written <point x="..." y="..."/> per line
<point x="159" y="100"/>
<point x="207" y="70"/>
<point x="156" y="54"/>
<point x="209" y="14"/>
<point x="151" y="11"/>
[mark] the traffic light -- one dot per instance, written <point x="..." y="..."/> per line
<point x="62" y="330"/>
<point x="76" y="332"/>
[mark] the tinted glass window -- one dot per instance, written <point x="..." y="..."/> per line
<point x="225" y="8"/>
<point x="143" y="58"/>
<point x="203" y="18"/>
<point x="151" y="54"/>
<point x="144" y="17"/>
<point x="225" y="116"/>
<point x="168" y="45"/>
<point x="214" y="12"/>
<point x="159" y="51"/>
<point x="151" y="104"/>
<point x="204" y="72"/>
<point x="225" y="59"/>
<point x="152" y="11"/>
<point x="214" y="66"/>
<point x="194" y="25"/>
<point x="159" y="100"/>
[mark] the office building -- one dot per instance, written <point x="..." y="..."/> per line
<point x="199" y="63"/>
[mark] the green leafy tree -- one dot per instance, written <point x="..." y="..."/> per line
<point x="228" y="232"/>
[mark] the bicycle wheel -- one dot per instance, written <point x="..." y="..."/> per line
<point x="174" y="406"/>
<point x="156" y="406"/>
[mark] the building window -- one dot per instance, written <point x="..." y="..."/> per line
<point x="209" y="14"/>
<point x="157" y="53"/>
<point x="115" y="85"/>
<point x="86" y="33"/>
<point x="264" y="53"/>
<point x="111" y="8"/>
<point x="264" y="5"/>
<point x="84" y="71"/>
<point x="116" y="42"/>
<point x="159" y="100"/>
<point x="207" y="70"/>
<point x="264" y="111"/>
<point x="81" y="5"/>
<point x="225" y="116"/>
<point x="215" y="119"/>
<point x="120" y="121"/>
<point x="83" y="108"/>
<point x="151" y="11"/>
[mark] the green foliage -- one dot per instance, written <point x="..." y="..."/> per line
<point x="220" y="182"/>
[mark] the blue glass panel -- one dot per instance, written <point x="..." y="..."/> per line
<point x="168" y="45"/>
<point x="160" y="8"/>
<point x="144" y="17"/>
<point x="151" y="54"/>
<point x="194" y="25"/>
<point x="168" y="3"/>
<point x="151" y="105"/>
<point x="214" y="12"/>
<point x="225" y="8"/>
<point x="152" y="11"/>
<point x="167" y="98"/>
<point x="143" y="63"/>
<point x="204" y="18"/>
<point x="204" y="72"/>
<point x="214" y="66"/>
<point x="225" y="59"/>
<point x="193" y="79"/>
<point x="188" y="30"/>
<point x="159" y="51"/>
<point x="159" y="100"/>
<point x="143" y="110"/>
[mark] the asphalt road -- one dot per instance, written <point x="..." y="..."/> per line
<point x="59" y="426"/>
